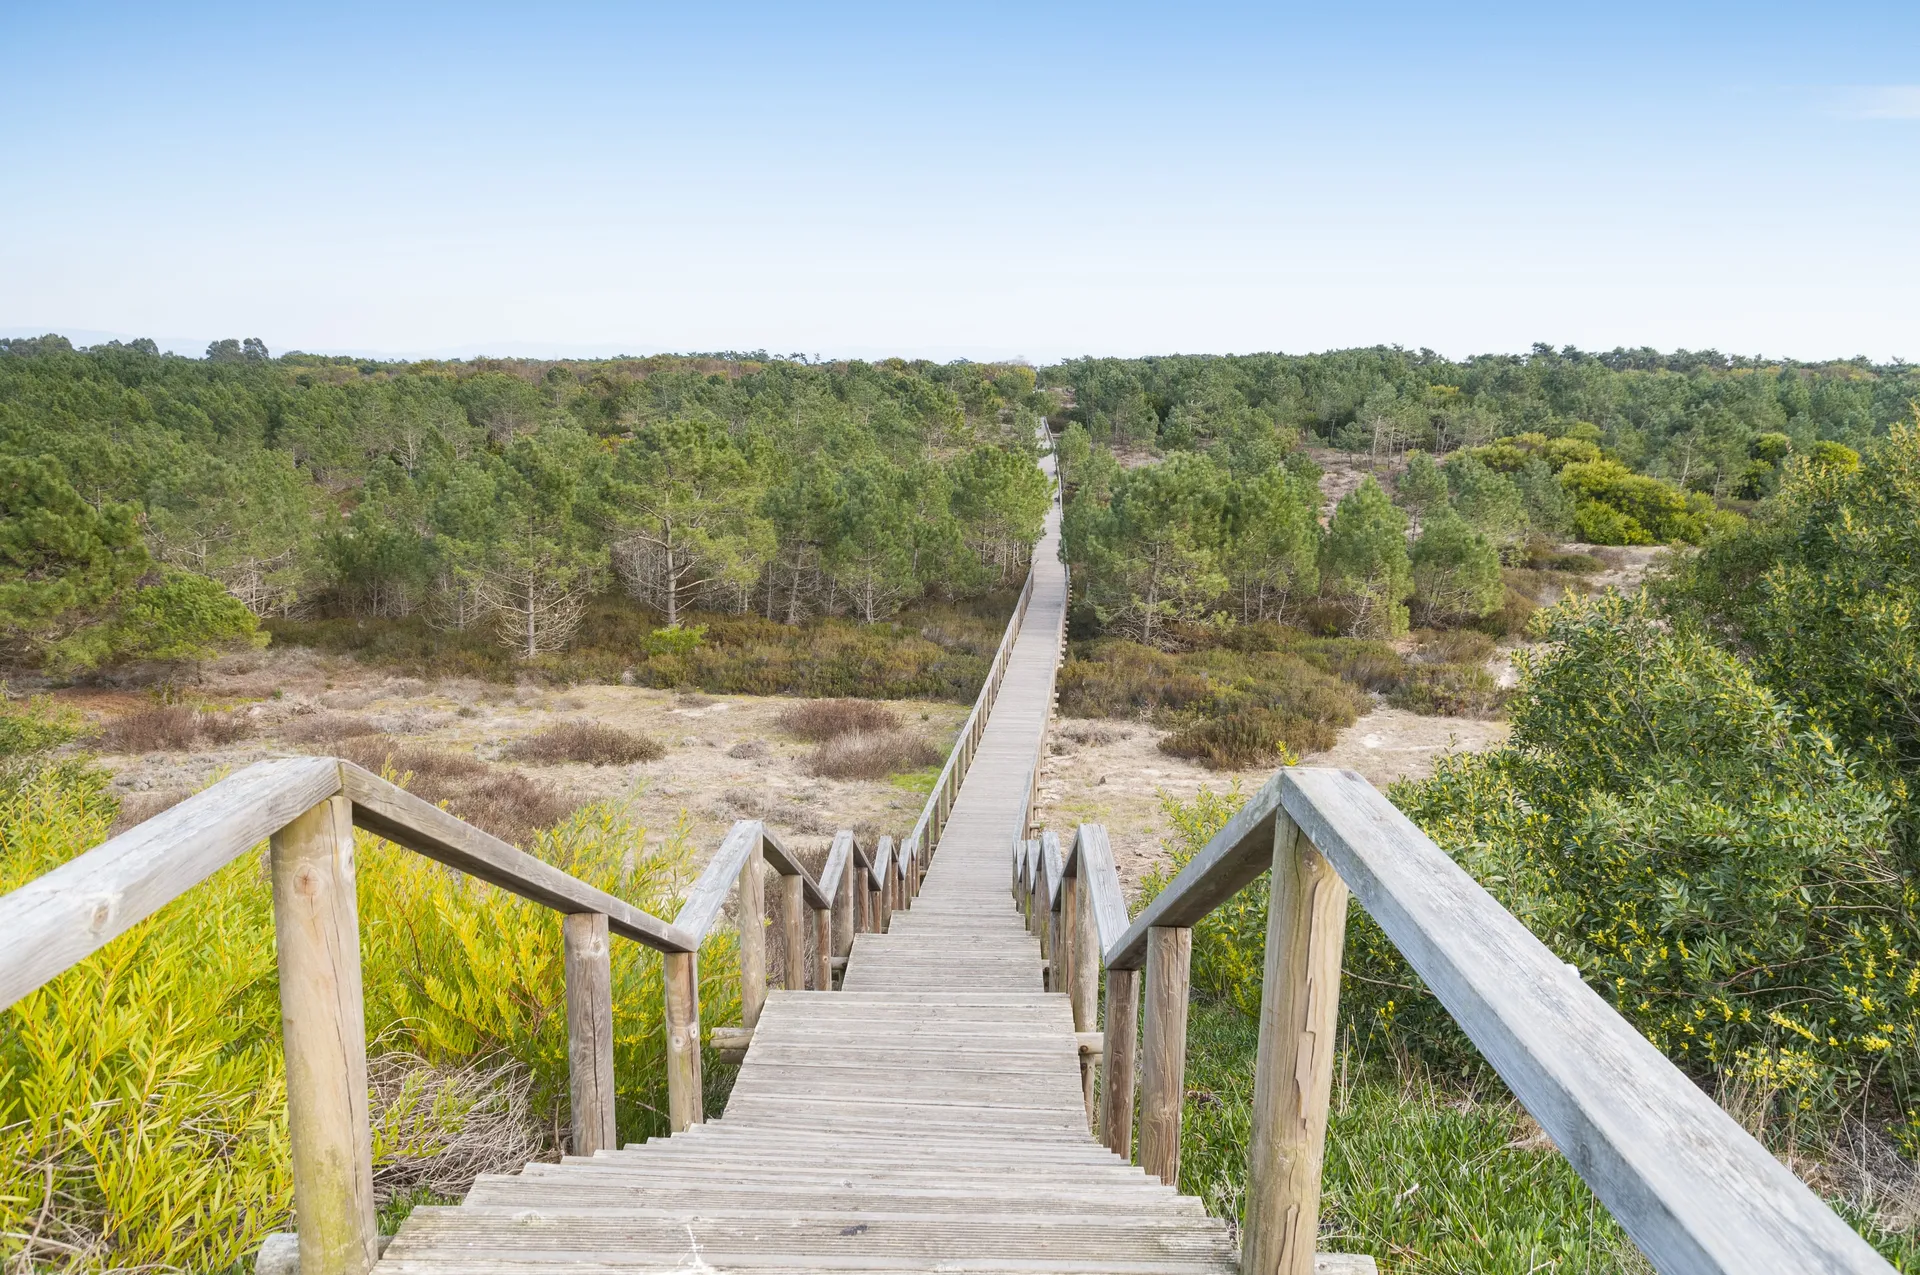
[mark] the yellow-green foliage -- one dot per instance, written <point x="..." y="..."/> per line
<point x="143" y="1092"/>
<point x="1230" y="945"/>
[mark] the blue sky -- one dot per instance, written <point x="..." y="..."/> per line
<point x="986" y="181"/>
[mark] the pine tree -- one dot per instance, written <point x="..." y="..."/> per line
<point x="1363" y="561"/>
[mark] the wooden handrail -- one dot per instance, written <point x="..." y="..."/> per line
<point x="1696" y="1192"/>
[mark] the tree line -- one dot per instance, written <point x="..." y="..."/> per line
<point x="496" y="493"/>
<point x="1694" y="419"/>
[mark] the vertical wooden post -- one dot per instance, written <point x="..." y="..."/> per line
<point x="823" y="949"/>
<point x="1117" y="1061"/>
<point x="1065" y="921"/>
<point x="686" y="1104"/>
<point x="1163" y="1070"/>
<point x="846" y="908"/>
<point x="590" y="1031"/>
<point x="793" y="930"/>
<point x="1083" y="983"/>
<point x="316" y="927"/>
<point x="751" y="901"/>
<point x="1293" y="1076"/>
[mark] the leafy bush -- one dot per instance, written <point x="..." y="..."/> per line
<point x="1823" y="588"/>
<point x="822" y="719"/>
<point x="1615" y="506"/>
<point x="1723" y="873"/>
<point x="1226" y="707"/>
<point x="590" y="742"/>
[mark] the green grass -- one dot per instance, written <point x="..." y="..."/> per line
<point x="1430" y="1176"/>
<point x="920" y="781"/>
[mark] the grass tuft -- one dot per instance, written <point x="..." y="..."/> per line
<point x="173" y="728"/>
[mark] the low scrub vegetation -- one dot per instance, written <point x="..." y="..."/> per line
<point x="858" y="755"/>
<point x="173" y="728"/>
<point x="590" y="742"/>
<point x="935" y="651"/>
<point x="507" y="803"/>
<point x="142" y="1101"/>
<point x="822" y="719"/>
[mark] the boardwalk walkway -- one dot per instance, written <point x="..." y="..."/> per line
<point x="926" y="1117"/>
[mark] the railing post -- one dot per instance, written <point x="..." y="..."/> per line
<point x="1163" y="1069"/>
<point x="317" y="933"/>
<point x="1293" y="1077"/>
<point x="846" y="908"/>
<point x="686" y="1104"/>
<point x="1117" y="1061"/>
<point x="589" y="1031"/>
<point x="793" y="930"/>
<point x="1083" y="979"/>
<point x="751" y="899"/>
<point x="823" y="949"/>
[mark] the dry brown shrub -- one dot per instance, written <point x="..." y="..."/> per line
<point x="506" y="803"/>
<point x="857" y="755"/>
<point x="750" y="750"/>
<point x="1087" y="733"/>
<point x="173" y="728"/>
<point x="585" y="742"/>
<point x="1454" y="646"/>
<point x="824" y="719"/>
<point x="328" y="729"/>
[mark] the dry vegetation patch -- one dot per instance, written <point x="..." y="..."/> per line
<point x="173" y="727"/>
<point x="824" y="719"/>
<point x="506" y="803"/>
<point x="588" y="742"/>
<point x="858" y="755"/>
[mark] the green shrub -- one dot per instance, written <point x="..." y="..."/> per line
<point x="1725" y="875"/>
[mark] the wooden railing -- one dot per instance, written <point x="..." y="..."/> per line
<point x="1695" y="1191"/>
<point x="306" y="808"/>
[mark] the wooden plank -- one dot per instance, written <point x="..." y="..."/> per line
<point x="59" y="919"/>
<point x="589" y="974"/>
<point x="751" y="912"/>
<point x="823" y="950"/>
<point x="1695" y="1191"/>
<point x="1093" y="854"/>
<point x="317" y="933"/>
<point x="1234" y="856"/>
<point x="1293" y="1071"/>
<point x="1164" y="1062"/>
<point x="709" y="893"/>
<point x="404" y="819"/>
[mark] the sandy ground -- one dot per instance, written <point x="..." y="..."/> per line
<point x="726" y="757"/>
<point x="1113" y="773"/>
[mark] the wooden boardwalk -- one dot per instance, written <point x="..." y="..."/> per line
<point x="928" y="1116"/>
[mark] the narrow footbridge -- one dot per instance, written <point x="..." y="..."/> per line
<point x="940" y="1084"/>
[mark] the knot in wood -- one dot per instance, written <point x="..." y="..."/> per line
<point x="306" y="880"/>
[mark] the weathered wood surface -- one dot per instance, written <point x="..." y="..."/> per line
<point x="58" y="919"/>
<point x="1293" y="1071"/>
<point x="1236" y="855"/>
<point x="589" y="971"/>
<point x="317" y="934"/>
<point x="1695" y="1191"/>
<point x="929" y="1116"/>
<point x="1163" y="1065"/>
